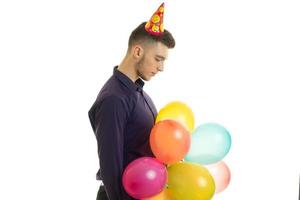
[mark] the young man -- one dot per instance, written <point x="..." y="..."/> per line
<point x="123" y="114"/>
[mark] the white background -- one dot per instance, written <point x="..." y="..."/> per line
<point x="235" y="63"/>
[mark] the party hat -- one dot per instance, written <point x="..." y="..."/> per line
<point x="155" y="25"/>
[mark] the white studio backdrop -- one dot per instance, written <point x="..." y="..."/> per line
<point x="235" y="63"/>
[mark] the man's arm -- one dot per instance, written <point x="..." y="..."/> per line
<point x="110" y="120"/>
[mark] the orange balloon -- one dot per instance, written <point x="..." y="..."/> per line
<point x="164" y="195"/>
<point x="169" y="141"/>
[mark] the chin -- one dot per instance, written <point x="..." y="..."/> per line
<point x="146" y="78"/>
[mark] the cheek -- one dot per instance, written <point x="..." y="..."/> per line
<point x="153" y="64"/>
<point x="149" y="65"/>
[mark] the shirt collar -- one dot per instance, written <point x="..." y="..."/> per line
<point x="137" y="86"/>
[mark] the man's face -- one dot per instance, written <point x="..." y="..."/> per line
<point x="152" y="60"/>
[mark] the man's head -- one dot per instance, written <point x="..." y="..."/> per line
<point x="148" y="52"/>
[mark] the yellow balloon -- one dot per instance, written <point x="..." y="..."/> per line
<point x="190" y="181"/>
<point x="164" y="195"/>
<point x="177" y="111"/>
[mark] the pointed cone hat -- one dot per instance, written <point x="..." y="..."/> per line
<point x="155" y="25"/>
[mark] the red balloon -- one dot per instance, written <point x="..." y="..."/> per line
<point x="170" y="141"/>
<point x="144" y="177"/>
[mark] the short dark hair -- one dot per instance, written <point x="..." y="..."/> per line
<point x="139" y="34"/>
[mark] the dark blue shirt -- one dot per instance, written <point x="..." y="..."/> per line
<point x="122" y="118"/>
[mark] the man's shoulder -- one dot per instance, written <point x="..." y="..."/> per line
<point x="113" y="87"/>
<point x="113" y="90"/>
<point x="115" y="96"/>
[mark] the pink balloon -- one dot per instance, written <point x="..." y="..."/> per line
<point x="221" y="174"/>
<point x="144" y="177"/>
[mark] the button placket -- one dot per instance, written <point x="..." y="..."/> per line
<point x="153" y="114"/>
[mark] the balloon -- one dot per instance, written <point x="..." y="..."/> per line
<point x="190" y="181"/>
<point x="164" y="195"/>
<point x="210" y="144"/>
<point x="177" y="111"/>
<point x="169" y="141"/>
<point x="144" y="177"/>
<point x="221" y="175"/>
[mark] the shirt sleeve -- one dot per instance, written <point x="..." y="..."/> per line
<point x="110" y="121"/>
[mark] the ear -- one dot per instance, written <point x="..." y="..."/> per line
<point x="138" y="51"/>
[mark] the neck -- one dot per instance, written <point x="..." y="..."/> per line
<point x="127" y="67"/>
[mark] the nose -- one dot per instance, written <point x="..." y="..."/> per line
<point x="160" y="68"/>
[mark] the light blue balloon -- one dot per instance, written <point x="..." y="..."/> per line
<point x="209" y="144"/>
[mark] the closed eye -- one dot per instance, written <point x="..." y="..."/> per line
<point x="159" y="58"/>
